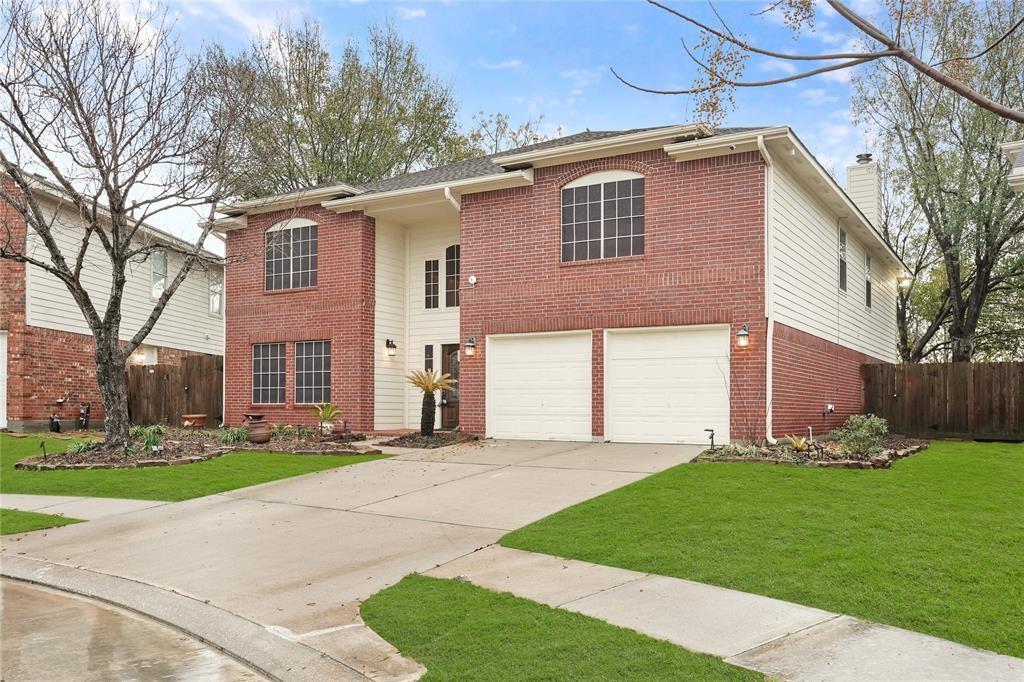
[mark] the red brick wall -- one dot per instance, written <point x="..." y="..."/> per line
<point x="809" y="372"/>
<point x="703" y="263"/>
<point x="340" y="309"/>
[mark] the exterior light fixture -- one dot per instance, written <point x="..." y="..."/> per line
<point x="391" y="347"/>
<point x="471" y="347"/>
<point x="743" y="336"/>
<point x="905" y="280"/>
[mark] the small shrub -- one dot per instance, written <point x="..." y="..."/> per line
<point x="136" y="431"/>
<point x="798" y="443"/>
<point x="862" y="433"/>
<point x="231" y="436"/>
<point x="306" y="432"/>
<point x="80" y="446"/>
<point x="158" y="429"/>
<point x="282" y="430"/>
<point x="151" y="436"/>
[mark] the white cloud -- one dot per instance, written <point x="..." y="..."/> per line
<point x="778" y="66"/>
<point x="581" y="78"/>
<point x="631" y="28"/>
<point x="235" y="10"/>
<point x="818" y="96"/>
<point x="508" y="64"/>
<point x="409" y="13"/>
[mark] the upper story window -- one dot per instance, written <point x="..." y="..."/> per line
<point x="431" y="296"/>
<point x="158" y="279"/>
<point x="842" y="259"/>
<point x="867" y="280"/>
<point x="291" y="256"/>
<point x="603" y="216"/>
<point x="216" y="281"/>
<point x="451" y="276"/>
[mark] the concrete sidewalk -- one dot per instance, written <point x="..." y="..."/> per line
<point x="778" y="638"/>
<point x="85" y="508"/>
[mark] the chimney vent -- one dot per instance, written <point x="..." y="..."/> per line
<point x="864" y="158"/>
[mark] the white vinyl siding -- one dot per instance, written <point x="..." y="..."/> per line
<point x="185" y="323"/>
<point x="539" y="386"/>
<point x="435" y="326"/>
<point x="389" y="323"/>
<point x="805" y="275"/>
<point x="666" y="385"/>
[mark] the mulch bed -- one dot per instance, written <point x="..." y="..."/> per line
<point x="185" y="446"/>
<point x="440" y="439"/>
<point x="828" y="454"/>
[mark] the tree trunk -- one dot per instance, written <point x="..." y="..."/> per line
<point x="113" y="387"/>
<point x="427" y="414"/>
<point x="961" y="343"/>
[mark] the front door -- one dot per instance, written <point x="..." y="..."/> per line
<point x="450" y="398"/>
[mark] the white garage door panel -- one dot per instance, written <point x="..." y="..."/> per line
<point x="538" y="387"/>
<point x="667" y="386"/>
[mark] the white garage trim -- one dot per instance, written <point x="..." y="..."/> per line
<point x="539" y="386"/>
<point x="666" y="384"/>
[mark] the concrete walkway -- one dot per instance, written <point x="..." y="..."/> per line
<point x="780" y="639"/>
<point x="292" y="560"/>
<point x="85" y="508"/>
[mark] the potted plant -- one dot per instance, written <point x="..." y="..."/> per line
<point x="429" y="383"/>
<point x="326" y="414"/>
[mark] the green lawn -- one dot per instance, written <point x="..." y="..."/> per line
<point x="463" y="632"/>
<point x="16" y="521"/>
<point x="236" y="470"/>
<point x="936" y="544"/>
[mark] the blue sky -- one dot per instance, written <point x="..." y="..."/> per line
<point x="553" y="58"/>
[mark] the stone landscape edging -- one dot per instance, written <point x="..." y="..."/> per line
<point x="882" y="460"/>
<point x="35" y="464"/>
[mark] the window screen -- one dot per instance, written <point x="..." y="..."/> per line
<point x="268" y="373"/>
<point x="291" y="258"/>
<point x="603" y="221"/>
<point x="313" y="372"/>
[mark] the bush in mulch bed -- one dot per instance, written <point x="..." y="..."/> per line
<point x="166" y="446"/>
<point x="439" y="440"/>
<point x="862" y="443"/>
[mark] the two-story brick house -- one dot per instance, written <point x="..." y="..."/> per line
<point x="640" y="285"/>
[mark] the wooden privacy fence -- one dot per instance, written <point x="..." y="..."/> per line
<point x="160" y="394"/>
<point x="954" y="399"/>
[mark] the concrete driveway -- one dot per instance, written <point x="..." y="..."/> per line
<point x="296" y="557"/>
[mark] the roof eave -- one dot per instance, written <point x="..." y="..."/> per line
<point x="609" y="146"/>
<point x="279" y="202"/>
<point x="486" y="183"/>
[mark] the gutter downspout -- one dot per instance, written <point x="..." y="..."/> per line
<point x="769" y="320"/>
<point x="451" y="199"/>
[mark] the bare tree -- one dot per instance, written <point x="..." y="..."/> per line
<point x="496" y="133"/>
<point x="123" y="124"/>
<point x="723" y="54"/>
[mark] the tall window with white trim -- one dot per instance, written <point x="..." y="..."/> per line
<point x="290" y="261"/>
<point x="867" y="280"/>
<point x="842" y="259"/>
<point x="158" y="279"/>
<point x="267" y="373"/>
<point x="603" y="216"/>
<point x="216" y="281"/>
<point x="313" y="372"/>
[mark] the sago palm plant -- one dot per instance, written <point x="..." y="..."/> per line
<point x="429" y="383"/>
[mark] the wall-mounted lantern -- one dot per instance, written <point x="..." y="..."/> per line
<point x="743" y="336"/>
<point x="905" y="280"/>
<point x="471" y="347"/>
<point x="392" y="347"/>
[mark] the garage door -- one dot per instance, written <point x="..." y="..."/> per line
<point x="667" y="385"/>
<point x="538" y="386"/>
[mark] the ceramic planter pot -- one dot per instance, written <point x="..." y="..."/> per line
<point x="259" y="430"/>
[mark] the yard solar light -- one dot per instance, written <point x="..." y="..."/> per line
<point x="905" y="280"/>
<point x="743" y="336"/>
<point x="392" y="347"/>
<point x="471" y="347"/>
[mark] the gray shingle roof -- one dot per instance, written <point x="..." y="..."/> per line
<point x="479" y="167"/>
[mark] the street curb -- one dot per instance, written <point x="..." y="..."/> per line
<point x="249" y="643"/>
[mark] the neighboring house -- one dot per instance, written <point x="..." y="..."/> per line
<point x="640" y="285"/>
<point x="1015" y="152"/>
<point x="46" y="347"/>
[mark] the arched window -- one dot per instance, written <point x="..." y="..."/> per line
<point x="603" y="216"/>
<point x="290" y="260"/>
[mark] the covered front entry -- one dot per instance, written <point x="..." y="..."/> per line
<point x="667" y="384"/>
<point x="539" y="386"/>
